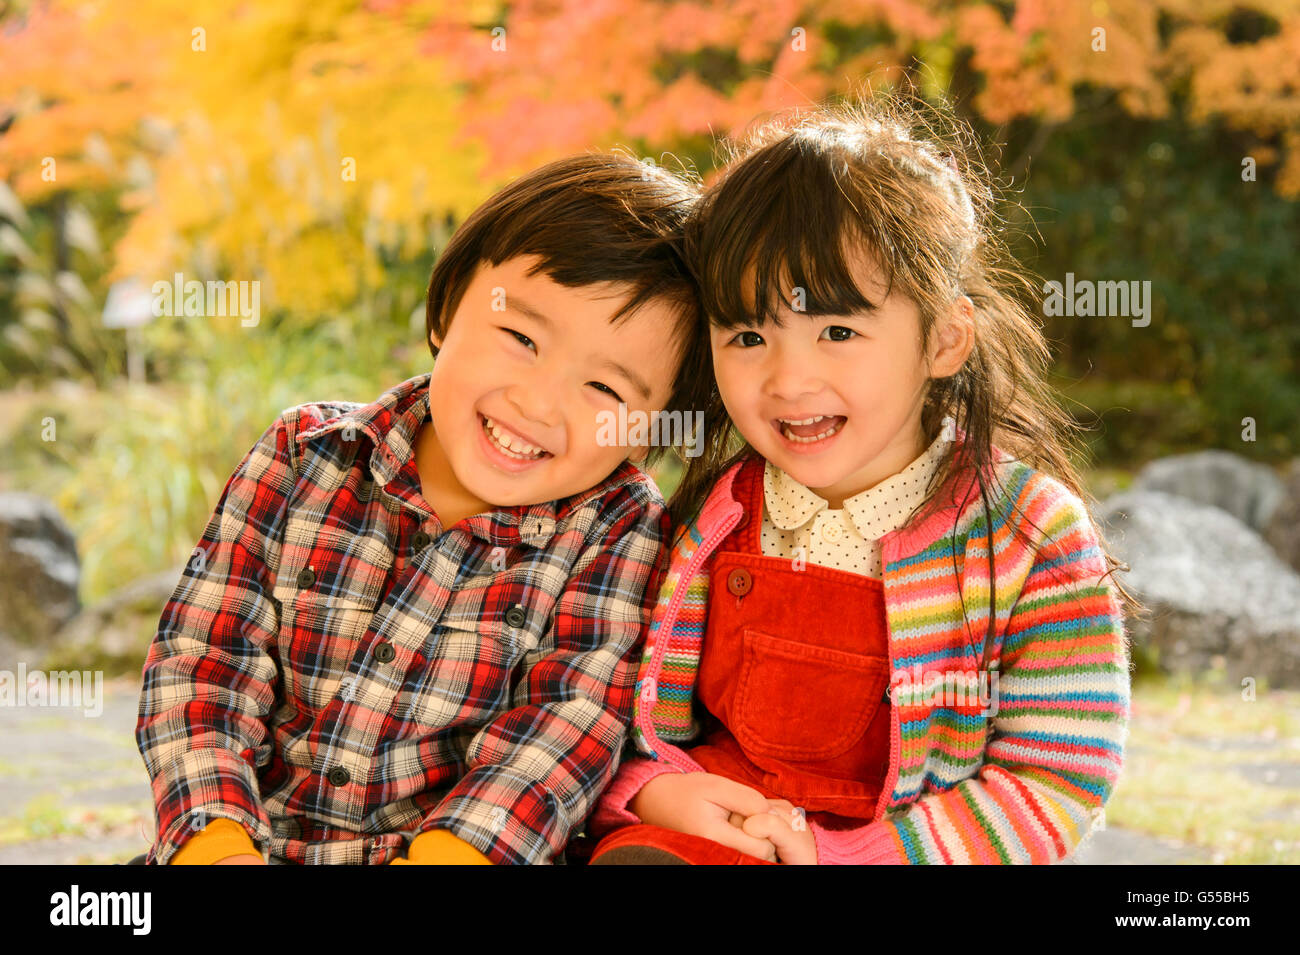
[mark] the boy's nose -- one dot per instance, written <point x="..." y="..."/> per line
<point x="535" y="404"/>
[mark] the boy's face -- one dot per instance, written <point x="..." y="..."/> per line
<point x="524" y="372"/>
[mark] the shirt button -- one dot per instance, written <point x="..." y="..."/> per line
<point x="339" y="776"/>
<point x="420" y="541"/>
<point x="832" y="531"/>
<point x="384" y="652"/>
<point x="306" y="577"/>
<point x="739" y="582"/>
<point x="516" y="616"/>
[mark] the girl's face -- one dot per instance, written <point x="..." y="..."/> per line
<point x="835" y="401"/>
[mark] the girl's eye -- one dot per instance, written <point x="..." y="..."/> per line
<point x="523" y="339"/>
<point x="747" y="339"/>
<point x="606" y="389"/>
<point x="837" y="333"/>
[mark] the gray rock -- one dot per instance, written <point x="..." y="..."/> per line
<point x="1248" y="491"/>
<point x="114" y="634"/>
<point x="1283" y="531"/>
<point x="1217" y="592"/>
<point x="39" y="571"/>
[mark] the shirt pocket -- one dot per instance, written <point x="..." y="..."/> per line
<point x="520" y="614"/>
<point x="475" y="658"/>
<point x="797" y="701"/>
<point x="329" y="587"/>
<point x="467" y="678"/>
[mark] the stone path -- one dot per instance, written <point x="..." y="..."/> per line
<point x="73" y="790"/>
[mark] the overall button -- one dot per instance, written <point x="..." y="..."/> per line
<point x="420" y="541"/>
<point x="516" y="616"/>
<point x="306" y="577"/>
<point x="339" y="776"/>
<point x="739" y="582"/>
<point x="384" y="653"/>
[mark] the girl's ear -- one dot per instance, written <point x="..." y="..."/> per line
<point x="435" y="338"/>
<point x="953" y="339"/>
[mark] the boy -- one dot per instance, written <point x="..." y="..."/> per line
<point x="412" y="627"/>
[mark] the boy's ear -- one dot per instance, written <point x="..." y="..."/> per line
<point x="953" y="339"/>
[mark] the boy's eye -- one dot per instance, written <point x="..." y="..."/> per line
<point x="607" y="389"/>
<point x="837" y="333"/>
<point x="747" y="339"/>
<point x="523" y="339"/>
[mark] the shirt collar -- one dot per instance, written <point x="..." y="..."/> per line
<point x="875" y="512"/>
<point x="391" y="423"/>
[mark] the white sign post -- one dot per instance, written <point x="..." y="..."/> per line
<point x="130" y="306"/>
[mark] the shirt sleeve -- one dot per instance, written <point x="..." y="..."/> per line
<point x="220" y="840"/>
<point x="1058" y="734"/>
<point x="533" y="774"/>
<point x="210" y="677"/>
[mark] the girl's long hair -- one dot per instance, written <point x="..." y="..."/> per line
<point x="903" y="179"/>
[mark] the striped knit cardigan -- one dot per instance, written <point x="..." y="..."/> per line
<point x="1022" y="785"/>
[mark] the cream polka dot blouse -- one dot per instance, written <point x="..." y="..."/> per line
<point x="848" y="538"/>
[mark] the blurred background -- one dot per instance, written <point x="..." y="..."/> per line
<point x="326" y="150"/>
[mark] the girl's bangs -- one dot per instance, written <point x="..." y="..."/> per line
<point x="781" y="228"/>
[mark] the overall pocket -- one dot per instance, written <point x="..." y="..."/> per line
<point x="795" y="701"/>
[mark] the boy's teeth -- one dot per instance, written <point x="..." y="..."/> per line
<point x="517" y="447"/>
<point x="813" y="420"/>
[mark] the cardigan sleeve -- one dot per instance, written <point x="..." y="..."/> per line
<point x="1057" y="741"/>
<point x="664" y="694"/>
<point x="612" y="810"/>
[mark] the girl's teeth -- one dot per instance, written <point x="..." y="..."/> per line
<point x="515" y="447"/>
<point x="789" y="436"/>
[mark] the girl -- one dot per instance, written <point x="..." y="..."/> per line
<point x="888" y="630"/>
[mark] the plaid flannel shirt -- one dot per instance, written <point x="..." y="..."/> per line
<point x="337" y="672"/>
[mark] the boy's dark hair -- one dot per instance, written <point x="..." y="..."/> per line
<point x="593" y="218"/>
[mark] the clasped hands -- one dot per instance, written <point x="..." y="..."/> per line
<point x="729" y="813"/>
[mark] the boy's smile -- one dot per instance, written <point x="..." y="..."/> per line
<point x="514" y="451"/>
<point x="526" y="367"/>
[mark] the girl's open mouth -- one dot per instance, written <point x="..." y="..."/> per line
<point x="810" y="430"/>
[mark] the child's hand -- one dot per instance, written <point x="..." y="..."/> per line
<point x="785" y="827"/>
<point x="701" y="804"/>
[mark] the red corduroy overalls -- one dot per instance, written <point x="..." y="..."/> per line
<point x="794" y="676"/>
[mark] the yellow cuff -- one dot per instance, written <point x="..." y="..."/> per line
<point x="220" y="839"/>
<point x="441" y="847"/>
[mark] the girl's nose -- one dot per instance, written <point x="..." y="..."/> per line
<point x="790" y="378"/>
